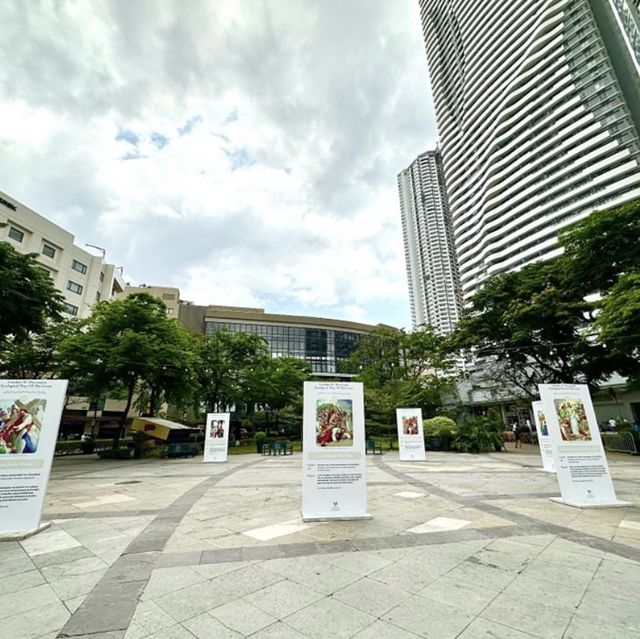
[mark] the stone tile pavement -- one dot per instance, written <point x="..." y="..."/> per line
<point x="459" y="546"/>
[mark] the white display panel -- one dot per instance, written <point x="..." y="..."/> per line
<point x="30" y="412"/>
<point x="410" y="434"/>
<point x="544" y="439"/>
<point x="216" y="437"/>
<point x="334" y="482"/>
<point x="580" y="460"/>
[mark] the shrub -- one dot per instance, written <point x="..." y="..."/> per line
<point x="478" y="435"/>
<point x="437" y="426"/>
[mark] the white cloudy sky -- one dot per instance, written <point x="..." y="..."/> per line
<point x="245" y="151"/>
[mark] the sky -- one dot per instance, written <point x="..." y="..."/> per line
<point x="244" y="151"/>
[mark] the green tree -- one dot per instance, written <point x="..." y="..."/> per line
<point x="28" y="298"/>
<point x="277" y="384"/>
<point x="131" y="346"/>
<point x="401" y="369"/>
<point x="601" y="248"/>
<point x="224" y="363"/>
<point x="530" y="327"/>
<point x="37" y="355"/>
<point x="618" y="324"/>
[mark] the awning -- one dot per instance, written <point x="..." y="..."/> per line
<point x="158" y="427"/>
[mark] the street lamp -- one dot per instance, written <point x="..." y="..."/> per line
<point x="99" y="248"/>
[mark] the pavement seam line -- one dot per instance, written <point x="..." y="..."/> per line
<point x="90" y="612"/>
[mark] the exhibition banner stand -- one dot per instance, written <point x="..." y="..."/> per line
<point x="30" y="412"/>
<point x="334" y="483"/>
<point x="216" y="437"/>
<point x="544" y="439"/>
<point x="410" y="435"/>
<point x="580" y="461"/>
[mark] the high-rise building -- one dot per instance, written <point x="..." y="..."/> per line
<point x="434" y="293"/>
<point x="538" y="111"/>
<point x="82" y="278"/>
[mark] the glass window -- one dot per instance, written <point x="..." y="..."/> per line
<point x="98" y="296"/>
<point x="16" y="234"/>
<point x="70" y="308"/>
<point x="168" y="296"/>
<point x="102" y="276"/>
<point x="74" y="287"/>
<point x="80" y="267"/>
<point x="49" y="251"/>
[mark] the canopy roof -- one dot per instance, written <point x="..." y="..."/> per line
<point x="157" y="427"/>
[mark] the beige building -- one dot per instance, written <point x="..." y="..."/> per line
<point x="324" y="344"/>
<point x="82" y="278"/>
<point x="169" y="295"/>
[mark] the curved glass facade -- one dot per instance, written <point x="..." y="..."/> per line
<point x="324" y="349"/>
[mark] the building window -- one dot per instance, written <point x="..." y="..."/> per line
<point x="98" y="296"/>
<point x="78" y="266"/>
<point x="169" y="311"/>
<point x="168" y="296"/>
<point x="70" y="309"/>
<point x="7" y="204"/>
<point x="16" y="234"/>
<point x="74" y="287"/>
<point x="102" y="276"/>
<point x="47" y="272"/>
<point x="49" y="251"/>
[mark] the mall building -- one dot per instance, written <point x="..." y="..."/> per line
<point x="324" y="344"/>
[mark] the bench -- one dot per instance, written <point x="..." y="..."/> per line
<point x="372" y="447"/>
<point x="277" y="448"/>
<point x="182" y="450"/>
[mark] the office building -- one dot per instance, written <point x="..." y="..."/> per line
<point x="538" y="111"/>
<point x="82" y="278"/>
<point x="324" y="344"/>
<point x="432" y="273"/>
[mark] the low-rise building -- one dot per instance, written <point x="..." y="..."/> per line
<point x="324" y="344"/>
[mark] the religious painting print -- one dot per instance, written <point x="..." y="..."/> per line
<point x="544" y="429"/>
<point x="20" y="425"/>
<point x="217" y="429"/>
<point x="572" y="420"/>
<point x="410" y="425"/>
<point x="334" y="422"/>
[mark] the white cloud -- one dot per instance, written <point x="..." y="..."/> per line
<point x="244" y="152"/>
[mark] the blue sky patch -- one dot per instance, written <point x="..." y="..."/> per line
<point x="128" y="136"/>
<point x="187" y="127"/>
<point x="239" y="158"/>
<point x="159" y="140"/>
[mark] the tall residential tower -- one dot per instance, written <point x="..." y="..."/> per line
<point x="538" y="111"/>
<point x="428" y="244"/>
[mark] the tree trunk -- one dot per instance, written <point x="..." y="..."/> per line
<point x="125" y="412"/>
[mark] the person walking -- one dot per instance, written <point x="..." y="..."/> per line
<point x="517" y="434"/>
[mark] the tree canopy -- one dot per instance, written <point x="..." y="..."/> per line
<point x="132" y="345"/>
<point x="570" y="319"/>
<point x="224" y="363"/>
<point x="28" y="298"/>
<point x="401" y="369"/>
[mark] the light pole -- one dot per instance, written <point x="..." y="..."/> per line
<point x="99" y="248"/>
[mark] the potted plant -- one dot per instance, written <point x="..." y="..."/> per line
<point x="438" y="432"/>
<point x="260" y="439"/>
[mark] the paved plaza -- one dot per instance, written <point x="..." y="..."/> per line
<point x="464" y="546"/>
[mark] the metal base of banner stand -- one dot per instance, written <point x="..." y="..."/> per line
<point x="546" y="470"/>
<point x="322" y="518"/>
<point x="613" y="504"/>
<point x="19" y="535"/>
